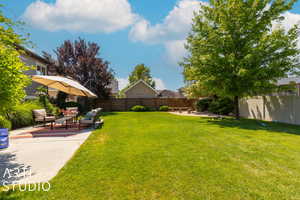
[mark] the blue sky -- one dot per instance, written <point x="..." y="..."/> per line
<point x="129" y="31"/>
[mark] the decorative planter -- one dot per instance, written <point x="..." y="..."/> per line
<point x="4" y="138"/>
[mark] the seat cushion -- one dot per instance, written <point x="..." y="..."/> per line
<point x="88" y="116"/>
<point x="72" y="110"/>
<point x="49" y="118"/>
<point x="86" y="121"/>
<point x="39" y="114"/>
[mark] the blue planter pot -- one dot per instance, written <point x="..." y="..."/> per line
<point x="4" y="141"/>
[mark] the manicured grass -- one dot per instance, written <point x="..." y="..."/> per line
<point x="163" y="156"/>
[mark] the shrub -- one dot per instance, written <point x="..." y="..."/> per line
<point x="72" y="104"/>
<point x="61" y="99"/>
<point x="4" y="123"/>
<point x="139" y="108"/>
<point x="221" y="106"/>
<point x="203" y="104"/>
<point x="50" y="108"/>
<point x="21" y="115"/>
<point x="164" y="108"/>
<point x="13" y="80"/>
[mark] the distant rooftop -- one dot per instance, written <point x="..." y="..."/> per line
<point x="32" y="54"/>
<point x="170" y="94"/>
<point x="286" y="81"/>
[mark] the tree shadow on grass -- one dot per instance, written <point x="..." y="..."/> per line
<point x="9" y="195"/>
<point x="10" y="170"/>
<point x="104" y="114"/>
<point x="7" y="162"/>
<point x="251" y="124"/>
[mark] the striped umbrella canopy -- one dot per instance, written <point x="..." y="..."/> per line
<point x="63" y="84"/>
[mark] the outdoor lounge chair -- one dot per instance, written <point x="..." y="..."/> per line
<point x="41" y="116"/>
<point x="90" y="118"/>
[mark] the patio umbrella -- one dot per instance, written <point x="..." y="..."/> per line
<point x="63" y="84"/>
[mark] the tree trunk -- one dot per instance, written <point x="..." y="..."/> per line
<point x="236" y="107"/>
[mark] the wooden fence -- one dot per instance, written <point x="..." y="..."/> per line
<point x="153" y="103"/>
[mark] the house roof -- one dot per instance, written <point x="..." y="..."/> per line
<point x="286" y="81"/>
<point x="141" y="81"/>
<point x="170" y="93"/>
<point x="32" y="54"/>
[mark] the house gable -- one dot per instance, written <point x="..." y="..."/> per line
<point x="141" y="90"/>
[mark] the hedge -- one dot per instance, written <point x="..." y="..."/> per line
<point x="139" y="108"/>
<point x="4" y="123"/>
<point x="21" y="115"/>
<point x="164" y="108"/>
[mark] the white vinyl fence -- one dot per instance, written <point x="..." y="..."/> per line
<point x="284" y="109"/>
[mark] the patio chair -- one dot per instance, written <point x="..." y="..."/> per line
<point x="90" y="118"/>
<point x="40" y="115"/>
<point x="72" y="111"/>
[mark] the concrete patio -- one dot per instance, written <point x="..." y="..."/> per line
<point x="44" y="156"/>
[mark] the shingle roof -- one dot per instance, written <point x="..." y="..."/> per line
<point x="286" y="81"/>
<point x="32" y="54"/>
<point x="170" y="94"/>
<point x="141" y="81"/>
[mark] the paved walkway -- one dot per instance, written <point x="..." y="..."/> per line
<point x="197" y="114"/>
<point x="44" y="156"/>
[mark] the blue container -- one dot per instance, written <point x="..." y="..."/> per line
<point x="4" y="138"/>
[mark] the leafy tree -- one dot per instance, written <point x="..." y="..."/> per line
<point x="79" y="60"/>
<point x="12" y="79"/>
<point x="236" y="51"/>
<point x="8" y="37"/>
<point x="196" y="90"/>
<point x="141" y="72"/>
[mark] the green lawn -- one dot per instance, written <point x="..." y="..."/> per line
<point x="163" y="156"/>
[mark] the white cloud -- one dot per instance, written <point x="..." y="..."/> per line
<point x="81" y="15"/>
<point x="160" y="85"/>
<point x="175" y="50"/>
<point x="123" y="82"/>
<point x="290" y="20"/>
<point x="172" y="32"/>
<point x="174" y="27"/>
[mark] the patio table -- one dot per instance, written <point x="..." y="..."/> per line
<point x="65" y="120"/>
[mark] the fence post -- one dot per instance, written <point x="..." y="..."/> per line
<point x="141" y="101"/>
<point x="264" y="108"/>
<point x="110" y="105"/>
<point x="126" y="105"/>
<point x="294" y="109"/>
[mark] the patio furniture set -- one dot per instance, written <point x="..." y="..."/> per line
<point x="70" y="117"/>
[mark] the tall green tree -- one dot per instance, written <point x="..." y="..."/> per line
<point x="236" y="51"/>
<point x="8" y="36"/>
<point x="12" y="79"/>
<point x="141" y="72"/>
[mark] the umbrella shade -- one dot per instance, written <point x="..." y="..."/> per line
<point x="64" y="84"/>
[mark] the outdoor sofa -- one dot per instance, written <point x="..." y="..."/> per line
<point x="90" y="119"/>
